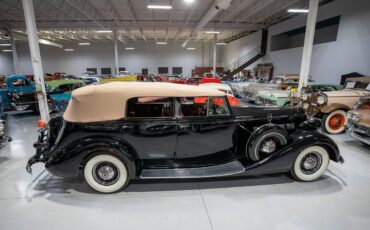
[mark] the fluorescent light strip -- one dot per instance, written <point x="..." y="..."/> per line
<point x="68" y="50"/>
<point x="84" y="43"/>
<point x="221" y="43"/>
<point x="104" y="31"/>
<point x="160" y="7"/>
<point x="129" y="48"/>
<point x="7" y="50"/>
<point x="5" y="44"/>
<point x="212" y="32"/>
<point x="161" y="43"/>
<point x="190" y="48"/>
<point x="298" y="11"/>
<point x="189" y="1"/>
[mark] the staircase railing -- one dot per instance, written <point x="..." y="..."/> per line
<point x="243" y="59"/>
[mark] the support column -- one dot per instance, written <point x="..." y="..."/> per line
<point x="214" y="53"/>
<point x="115" y="49"/>
<point x="14" y="51"/>
<point x="308" y="44"/>
<point x="29" y="15"/>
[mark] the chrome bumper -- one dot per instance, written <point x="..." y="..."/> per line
<point x="360" y="134"/>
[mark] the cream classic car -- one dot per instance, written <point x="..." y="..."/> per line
<point x="359" y="125"/>
<point x="332" y="107"/>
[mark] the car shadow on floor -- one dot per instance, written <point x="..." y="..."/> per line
<point x="49" y="184"/>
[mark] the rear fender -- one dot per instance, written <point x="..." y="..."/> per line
<point x="67" y="161"/>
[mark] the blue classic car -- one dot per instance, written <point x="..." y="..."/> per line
<point x="60" y="93"/>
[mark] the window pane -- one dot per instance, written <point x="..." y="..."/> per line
<point x="217" y="107"/>
<point x="162" y="70"/>
<point x="193" y="106"/>
<point x="150" y="107"/>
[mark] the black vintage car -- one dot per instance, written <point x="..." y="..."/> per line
<point x="116" y="132"/>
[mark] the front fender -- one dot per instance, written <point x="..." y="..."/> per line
<point x="332" y="107"/>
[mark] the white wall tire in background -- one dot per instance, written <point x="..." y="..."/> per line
<point x="106" y="173"/>
<point x="306" y="158"/>
<point x="335" y="121"/>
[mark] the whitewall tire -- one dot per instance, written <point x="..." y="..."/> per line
<point x="311" y="163"/>
<point x="106" y="173"/>
<point x="335" y="122"/>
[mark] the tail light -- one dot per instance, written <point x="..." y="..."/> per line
<point x="41" y="123"/>
<point x="52" y="100"/>
<point x="64" y="102"/>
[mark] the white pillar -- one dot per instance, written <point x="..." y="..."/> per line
<point x="214" y="53"/>
<point x="14" y="51"/>
<point x="29" y="16"/>
<point x="115" y="49"/>
<point x="308" y="43"/>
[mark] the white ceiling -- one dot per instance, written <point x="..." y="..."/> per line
<point x="66" y="21"/>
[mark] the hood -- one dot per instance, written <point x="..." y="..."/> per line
<point x="346" y="93"/>
<point x="274" y="93"/>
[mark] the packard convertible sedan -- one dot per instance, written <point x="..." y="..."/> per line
<point x="113" y="133"/>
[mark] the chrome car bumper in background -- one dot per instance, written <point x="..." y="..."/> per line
<point x="358" y="132"/>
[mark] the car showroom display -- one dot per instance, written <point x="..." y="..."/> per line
<point x="332" y="107"/>
<point x="116" y="132"/>
<point x="289" y="97"/>
<point x="60" y="93"/>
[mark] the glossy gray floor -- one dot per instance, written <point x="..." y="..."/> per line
<point x="340" y="200"/>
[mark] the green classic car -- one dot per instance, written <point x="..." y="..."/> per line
<point x="60" y="93"/>
<point x="282" y="98"/>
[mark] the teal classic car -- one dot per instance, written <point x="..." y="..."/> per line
<point x="60" y="93"/>
<point x="287" y="97"/>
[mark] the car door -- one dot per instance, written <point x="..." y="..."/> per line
<point x="205" y="127"/>
<point x="150" y="127"/>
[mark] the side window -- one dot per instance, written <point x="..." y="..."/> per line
<point x="64" y="88"/>
<point x="217" y="107"/>
<point x="154" y="107"/>
<point x="20" y="82"/>
<point x="204" y="106"/>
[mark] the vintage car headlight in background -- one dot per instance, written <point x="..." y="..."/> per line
<point x="353" y="117"/>
<point x="305" y="106"/>
<point x="321" y="100"/>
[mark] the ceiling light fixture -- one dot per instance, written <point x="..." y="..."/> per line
<point x="129" y="48"/>
<point x="6" y="44"/>
<point x="221" y="43"/>
<point x="7" y="50"/>
<point x="189" y="1"/>
<point x="104" y="31"/>
<point x="161" y="43"/>
<point x="298" y="11"/>
<point x="190" y="48"/>
<point x="212" y="32"/>
<point x="160" y="7"/>
<point x="68" y="50"/>
<point x="84" y="43"/>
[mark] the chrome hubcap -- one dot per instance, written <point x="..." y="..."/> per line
<point x="269" y="146"/>
<point x="311" y="163"/>
<point x="105" y="173"/>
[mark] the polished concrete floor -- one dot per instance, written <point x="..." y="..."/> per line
<point x="339" y="200"/>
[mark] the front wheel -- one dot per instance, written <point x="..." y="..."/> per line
<point x="311" y="163"/>
<point x="106" y="173"/>
<point x="334" y="122"/>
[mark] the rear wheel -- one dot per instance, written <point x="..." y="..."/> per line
<point x="334" y="122"/>
<point x="106" y="173"/>
<point x="311" y="163"/>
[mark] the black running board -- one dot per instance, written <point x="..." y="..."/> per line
<point x="231" y="168"/>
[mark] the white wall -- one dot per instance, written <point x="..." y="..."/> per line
<point x="6" y="63"/>
<point x="350" y="53"/>
<point x="98" y="55"/>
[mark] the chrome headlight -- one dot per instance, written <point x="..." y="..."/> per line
<point x="305" y="106"/>
<point x="304" y="97"/>
<point x="321" y="100"/>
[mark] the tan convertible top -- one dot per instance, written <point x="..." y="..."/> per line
<point x="107" y="102"/>
<point x="359" y="79"/>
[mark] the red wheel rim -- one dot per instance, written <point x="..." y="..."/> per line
<point x="337" y="121"/>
